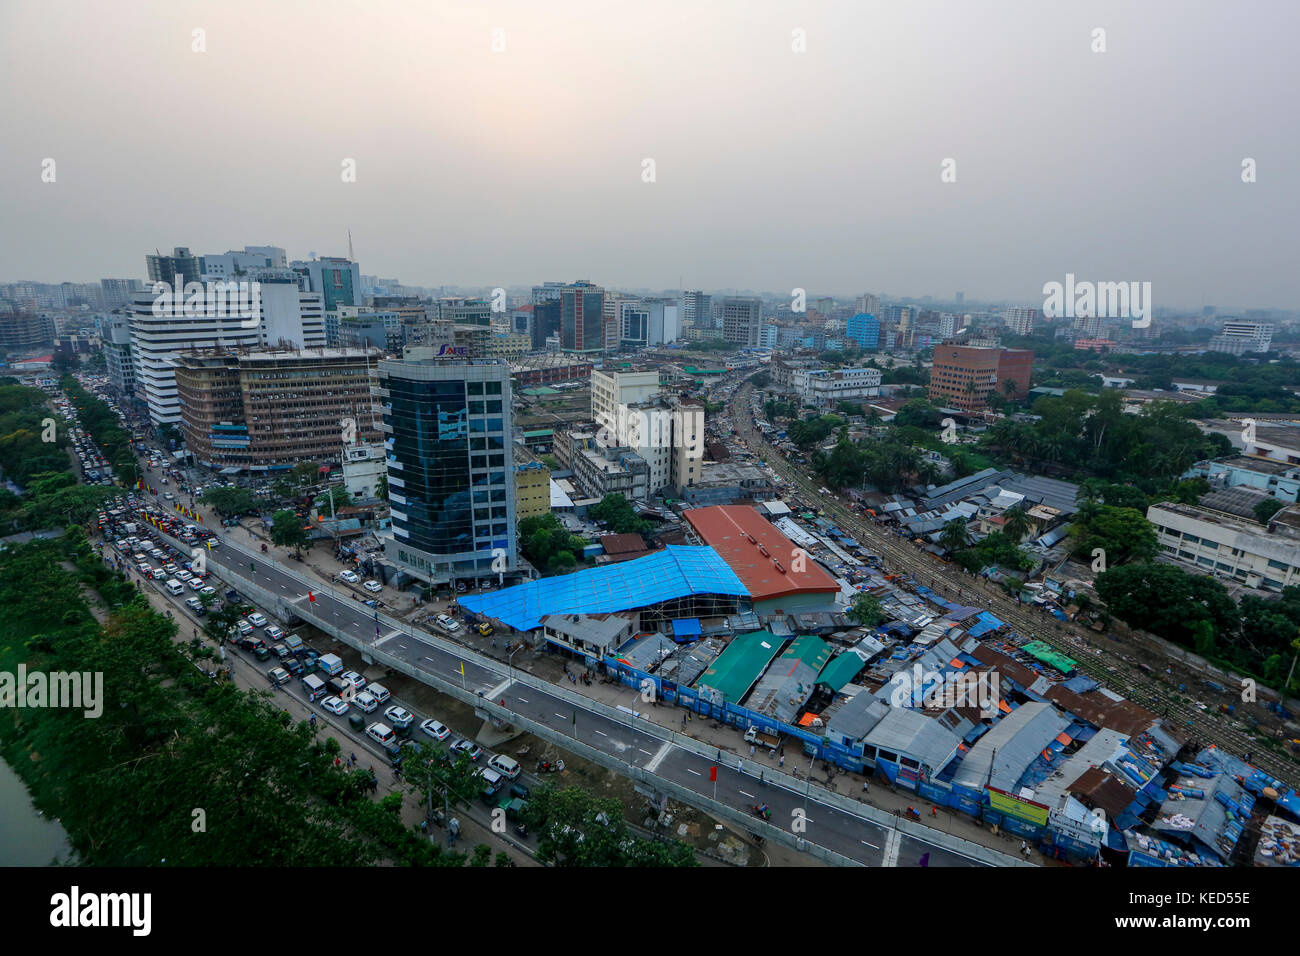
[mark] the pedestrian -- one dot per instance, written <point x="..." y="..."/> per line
<point x="934" y="811"/>
<point x="312" y="720"/>
<point x="353" y="759"/>
<point x="740" y="766"/>
<point x="782" y="761"/>
<point x="683" y="720"/>
<point x="866" y="786"/>
<point x="751" y="750"/>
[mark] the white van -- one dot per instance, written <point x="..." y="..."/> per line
<point x="313" y="687"/>
<point x="175" y="587"/>
<point x="381" y="733"/>
<point x="508" y="767"/>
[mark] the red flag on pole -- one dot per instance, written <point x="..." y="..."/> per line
<point x="713" y="773"/>
<point x="311" y="597"/>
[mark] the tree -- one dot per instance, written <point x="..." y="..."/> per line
<point x="287" y="531"/>
<point x="1163" y="599"/>
<point x="1266" y="509"/>
<point x="229" y="502"/>
<point x="618" y="515"/>
<point x="954" y="535"/>
<point x="866" y="610"/>
<point x="577" y="828"/>
<point x="305" y="473"/>
<point x="1016" y="523"/>
<point x="1124" y="534"/>
<point x="381" y="488"/>
<point x="341" y="496"/>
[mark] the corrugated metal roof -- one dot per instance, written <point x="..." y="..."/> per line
<point x="675" y="572"/>
<point x="1010" y="747"/>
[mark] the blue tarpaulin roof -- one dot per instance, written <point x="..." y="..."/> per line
<point x="675" y="572"/>
<point x="983" y="624"/>
<point x="686" y="629"/>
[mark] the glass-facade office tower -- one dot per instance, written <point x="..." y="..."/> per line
<point x="450" y="472"/>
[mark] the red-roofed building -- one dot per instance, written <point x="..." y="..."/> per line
<point x="765" y="560"/>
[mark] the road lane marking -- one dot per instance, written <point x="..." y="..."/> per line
<point x="746" y="794"/>
<point x="872" y="845"/>
<point x="602" y="733"/>
<point x="653" y="764"/>
<point x="696" y="772"/>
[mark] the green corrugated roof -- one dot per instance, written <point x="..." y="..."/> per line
<point x="813" y="651"/>
<point x="841" y="670"/>
<point x="739" y="666"/>
<point x="539" y="433"/>
<point x="1049" y="656"/>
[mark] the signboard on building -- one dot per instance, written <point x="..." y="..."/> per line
<point x="1018" y="807"/>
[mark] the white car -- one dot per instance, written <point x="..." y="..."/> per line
<point x="399" y="717"/>
<point x="435" y="730"/>
<point x="244" y="626"/>
<point x="379" y="692"/>
<point x="257" y="620"/>
<point x="274" y="632"/>
<point x="374" y="587"/>
<point x="208" y="590"/>
<point x="196" y="584"/>
<point x="508" y="767"/>
<point x="357" y="680"/>
<point x="365" y="703"/>
<point x="334" y="705"/>
<point x="349" y="576"/>
<point x="448" y="623"/>
<point x="183" y="575"/>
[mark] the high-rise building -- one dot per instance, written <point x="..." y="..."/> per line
<point x="948" y="325"/>
<point x="451" y="485"/>
<point x="648" y="322"/>
<point x="1240" y="337"/>
<point x="1020" y="321"/>
<point x="867" y="303"/>
<point x="696" y="310"/>
<point x="864" y="329"/>
<point x="25" y="330"/>
<point x="546" y="323"/>
<point x="116" y="336"/>
<point x="180" y="263"/>
<point x="742" y="320"/>
<point x="337" y="280"/>
<point x="965" y="377"/>
<point x="267" y="410"/>
<point x="116" y="293"/>
<point x="279" y="315"/>
<point x="582" y="318"/>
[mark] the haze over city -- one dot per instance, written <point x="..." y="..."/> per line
<point x="504" y="158"/>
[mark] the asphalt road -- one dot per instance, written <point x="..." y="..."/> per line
<point x="846" y="834"/>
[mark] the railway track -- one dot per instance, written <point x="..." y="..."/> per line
<point x="1114" y="672"/>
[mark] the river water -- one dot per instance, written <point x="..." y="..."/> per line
<point x="27" y="839"/>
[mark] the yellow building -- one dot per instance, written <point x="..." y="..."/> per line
<point x="532" y="485"/>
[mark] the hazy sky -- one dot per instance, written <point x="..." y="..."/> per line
<point x="774" y="169"/>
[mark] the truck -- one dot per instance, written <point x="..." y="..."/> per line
<point x="331" y="664"/>
<point x="757" y="737"/>
<point x="130" y="527"/>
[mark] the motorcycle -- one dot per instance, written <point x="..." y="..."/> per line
<point x="761" y="810"/>
<point x="264" y="549"/>
<point x="549" y="766"/>
<point x="521" y="830"/>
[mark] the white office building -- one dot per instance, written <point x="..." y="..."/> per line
<point x="826" y="388"/>
<point x="281" y="316"/>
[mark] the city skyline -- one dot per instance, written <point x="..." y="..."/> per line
<point x="820" y="169"/>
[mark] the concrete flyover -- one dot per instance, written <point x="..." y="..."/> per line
<point x="826" y="825"/>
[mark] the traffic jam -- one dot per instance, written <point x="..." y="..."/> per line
<point x="136" y="537"/>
